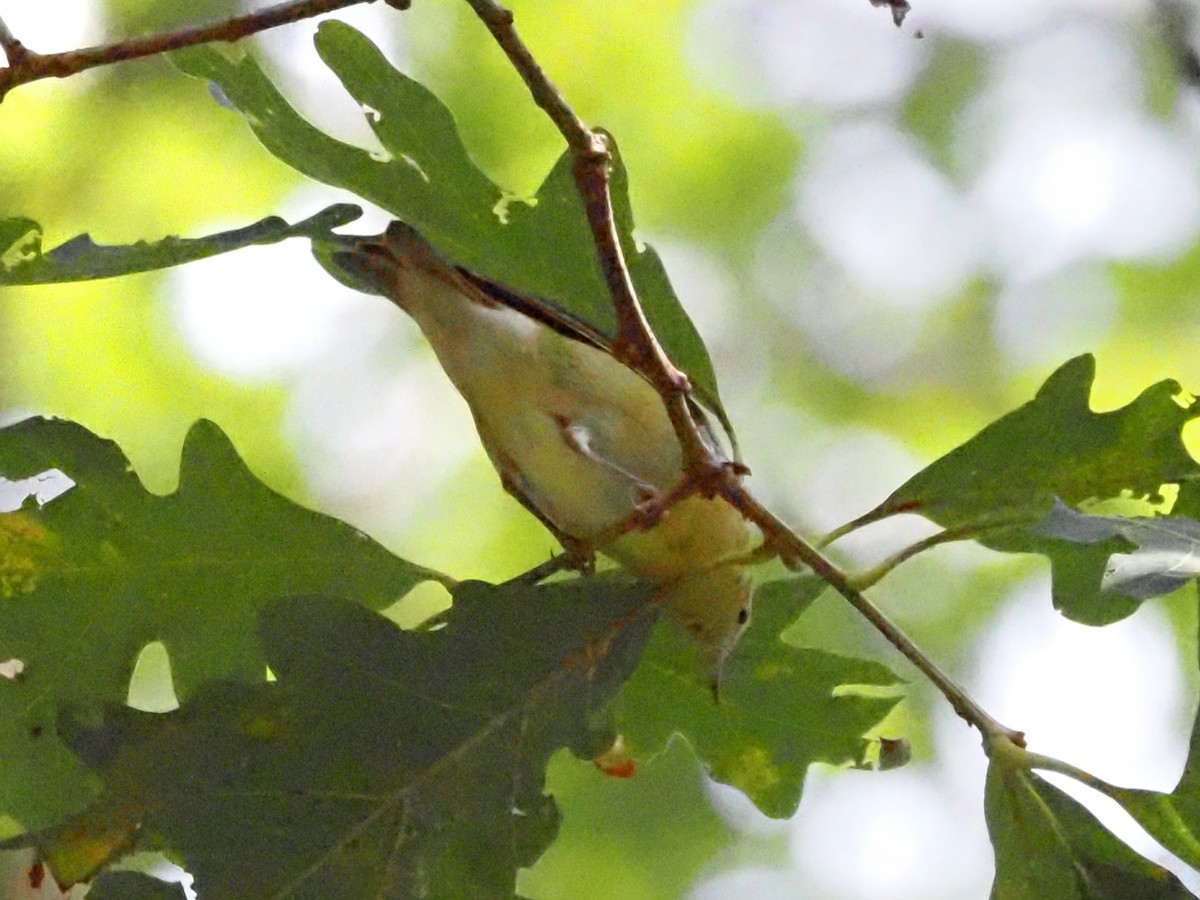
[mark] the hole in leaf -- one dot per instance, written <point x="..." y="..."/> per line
<point x="11" y="669"/>
<point x="43" y="487"/>
<point x="156" y="865"/>
<point x="151" y="687"/>
<point x="420" y="606"/>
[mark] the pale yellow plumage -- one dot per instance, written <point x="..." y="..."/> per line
<point x="577" y="436"/>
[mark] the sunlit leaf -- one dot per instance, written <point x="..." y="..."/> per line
<point x="91" y="577"/>
<point x="81" y="259"/>
<point x="1000" y="486"/>
<point x="1054" y="446"/>
<point x="781" y="707"/>
<point x="382" y="762"/>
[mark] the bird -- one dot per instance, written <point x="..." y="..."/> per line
<point x="578" y="437"/>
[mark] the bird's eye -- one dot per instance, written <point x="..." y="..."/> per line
<point x="743" y="616"/>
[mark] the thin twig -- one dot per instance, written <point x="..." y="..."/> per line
<point x="705" y="471"/>
<point x="873" y="576"/>
<point x="25" y="66"/>
<point x="1050" y="764"/>
<point x="635" y="343"/>
<point x="14" y="50"/>
<point x="794" y="549"/>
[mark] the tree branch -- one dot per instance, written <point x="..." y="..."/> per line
<point x="794" y="549"/>
<point x="14" y="50"/>
<point x="705" y="471"/>
<point x="24" y="65"/>
<point x="635" y="344"/>
<point x="874" y="575"/>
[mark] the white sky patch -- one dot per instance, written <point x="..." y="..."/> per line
<point x="894" y="223"/>
<point x="1042" y="322"/>
<point x="53" y="26"/>
<point x="43" y="487"/>
<point x="1067" y="166"/>
<point x="1082" y="64"/>
<point x="986" y="20"/>
<point x="381" y="428"/>
<point x="759" y="882"/>
<point x="11" y="669"/>
<point x="259" y="313"/>
<point x="849" y="330"/>
<point x="704" y="286"/>
<point x="820" y="52"/>
<point x="895" y="835"/>
<point x="1062" y="187"/>
<point x="1113" y="701"/>
<point x="1110" y="700"/>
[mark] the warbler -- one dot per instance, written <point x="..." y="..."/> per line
<point x="578" y="437"/>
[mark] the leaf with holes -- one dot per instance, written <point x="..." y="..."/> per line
<point x="92" y="576"/>
<point x="81" y="259"/>
<point x="382" y="762"/>
<point x="1054" y="446"/>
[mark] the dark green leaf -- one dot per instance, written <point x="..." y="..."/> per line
<point x="91" y="577"/>
<point x="134" y="886"/>
<point x="1048" y="845"/>
<point x="426" y="178"/>
<point x="80" y="259"/>
<point x="781" y="707"/>
<point x="382" y="762"/>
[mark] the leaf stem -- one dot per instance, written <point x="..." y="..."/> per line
<point x="1050" y="764"/>
<point x="873" y="576"/>
<point x="24" y="65"/>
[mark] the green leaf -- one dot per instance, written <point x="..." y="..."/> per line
<point x="91" y="577"/>
<point x="382" y="762"/>
<point x="134" y="886"/>
<point x="781" y="707"/>
<point x="426" y="178"/>
<point x="1000" y="487"/>
<point x="1053" y="446"/>
<point x="80" y="259"/>
<point x="1049" y="845"/>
